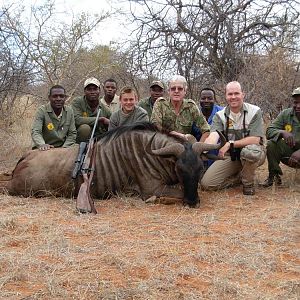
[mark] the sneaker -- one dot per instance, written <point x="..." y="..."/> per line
<point x="248" y="190"/>
<point x="272" y="179"/>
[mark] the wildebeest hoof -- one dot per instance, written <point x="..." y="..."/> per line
<point x="151" y="200"/>
<point x="83" y="211"/>
<point x="196" y="205"/>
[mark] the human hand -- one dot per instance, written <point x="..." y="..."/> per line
<point x="103" y="120"/>
<point x="45" y="147"/>
<point x="223" y="150"/>
<point x="288" y="138"/>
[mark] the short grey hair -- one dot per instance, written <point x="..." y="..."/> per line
<point x="178" y="78"/>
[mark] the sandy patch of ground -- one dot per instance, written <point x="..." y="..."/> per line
<point x="232" y="247"/>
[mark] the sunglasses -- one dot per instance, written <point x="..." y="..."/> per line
<point x="176" y="88"/>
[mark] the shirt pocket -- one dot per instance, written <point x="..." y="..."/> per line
<point x="64" y="127"/>
<point x="185" y="126"/>
<point x="168" y="123"/>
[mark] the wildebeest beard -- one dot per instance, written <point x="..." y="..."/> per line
<point x="189" y="168"/>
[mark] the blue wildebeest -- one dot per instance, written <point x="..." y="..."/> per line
<point x="137" y="158"/>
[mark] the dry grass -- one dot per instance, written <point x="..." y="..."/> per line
<point x="232" y="247"/>
<point x="15" y="137"/>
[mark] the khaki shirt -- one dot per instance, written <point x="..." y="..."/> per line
<point x="113" y="106"/>
<point x="49" y="129"/>
<point x="250" y="115"/>
<point x="164" y="116"/>
<point x="84" y="115"/>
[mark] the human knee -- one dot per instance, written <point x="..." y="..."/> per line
<point x="208" y="185"/>
<point x="83" y="132"/>
<point x="277" y="147"/>
<point x="253" y="153"/>
<point x="271" y="146"/>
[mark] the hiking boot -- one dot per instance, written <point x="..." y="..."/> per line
<point x="248" y="190"/>
<point x="273" y="178"/>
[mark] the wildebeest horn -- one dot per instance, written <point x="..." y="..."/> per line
<point x="200" y="147"/>
<point x="173" y="149"/>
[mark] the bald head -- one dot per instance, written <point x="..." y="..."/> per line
<point x="234" y="96"/>
<point x="233" y="84"/>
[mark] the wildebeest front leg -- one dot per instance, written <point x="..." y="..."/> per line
<point x="165" y="195"/>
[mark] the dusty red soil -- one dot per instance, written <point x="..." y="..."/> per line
<point x="232" y="247"/>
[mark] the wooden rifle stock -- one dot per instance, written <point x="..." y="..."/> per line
<point x="84" y="202"/>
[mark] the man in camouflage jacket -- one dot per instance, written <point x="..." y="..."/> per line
<point x="177" y="114"/>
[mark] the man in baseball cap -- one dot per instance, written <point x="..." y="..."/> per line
<point x="284" y="141"/>
<point x="91" y="81"/>
<point x="296" y="92"/>
<point x="156" y="91"/>
<point x="85" y="111"/>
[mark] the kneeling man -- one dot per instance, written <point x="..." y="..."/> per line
<point x="242" y="125"/>
<point x="54" y="124"/>
<point x="129" y="113"/>
<point x="284" y="141"/>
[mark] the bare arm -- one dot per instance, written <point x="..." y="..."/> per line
<point x="204" y="136"/>
<point x="247" y="141"/>
<point x="212" y="138"/>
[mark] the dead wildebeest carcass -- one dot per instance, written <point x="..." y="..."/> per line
<point x="137" y="158"/>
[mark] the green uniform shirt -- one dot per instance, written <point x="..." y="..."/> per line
<point x="113" y="106"/>
<point x="164" y="116"/>
<point x="48" y="129"/>
<point x="84" y="115"/>
<point x="286" y="120"/>
<point x="147" y="105"/>
<point x="118" y="118"/>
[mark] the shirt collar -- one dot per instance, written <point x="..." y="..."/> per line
<point x="50" y="109"/>
<point x="242" y="110"/>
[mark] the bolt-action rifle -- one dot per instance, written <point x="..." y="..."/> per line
<point x="84" y="202"/>
<point x="80" y="158"/>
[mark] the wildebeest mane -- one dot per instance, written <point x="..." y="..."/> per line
<point x="115" y="133"/>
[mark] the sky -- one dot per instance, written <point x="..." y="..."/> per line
<point x="110" y="30"/>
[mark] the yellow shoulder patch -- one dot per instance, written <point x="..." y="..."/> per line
<point x="50" y="126"/>
<point x="288" y="128"/>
